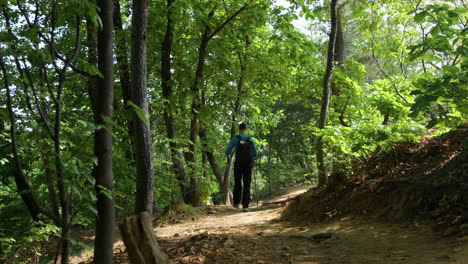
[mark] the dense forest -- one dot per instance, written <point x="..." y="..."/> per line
<point x="112" y="108"/>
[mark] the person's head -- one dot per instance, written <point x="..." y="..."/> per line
<point x="242" y="128"/>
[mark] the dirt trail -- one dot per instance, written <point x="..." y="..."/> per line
<point x="226" y="235"/>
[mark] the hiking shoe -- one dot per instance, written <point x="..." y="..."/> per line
<point x="246" y="209"/>
<point x="236" y="206"/>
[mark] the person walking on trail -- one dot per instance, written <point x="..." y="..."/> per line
<point x="246" y="152"/>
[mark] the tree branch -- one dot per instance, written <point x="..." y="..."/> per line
<point x="229" y="19"/>
<point x="383" y="71"/>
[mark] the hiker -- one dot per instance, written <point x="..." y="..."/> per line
<point x="246" y="152"/>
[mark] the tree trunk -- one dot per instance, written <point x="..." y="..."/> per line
<point x="336" y="177"/>
<point x="166" y="77"/>
<point x="103" y="244"/>
<point x="326" y="97"/>
<point x="22" y="183"/>
<point x="237" y="106"/>
<point x="339" y="51"/>
<point x="270" y="152"/>
<point x="143" y="139"/>
<point x="140" y="240"/>
<point x="121" y="52"/>
<point x="196" y="106"/>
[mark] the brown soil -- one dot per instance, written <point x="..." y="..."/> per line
<point x="407" y="206"/>
<point x="424" y="181"/>
<point x="226" y="235"/>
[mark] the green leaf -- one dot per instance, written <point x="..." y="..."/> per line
<point x="465" y="144"/>
<point x="6" y="37"/>
<point x="435" y="30"/>
<point x="84" y="246"/>
<point x="47" y="258"/>
<point x="144" y="116"/>
<point x="105" y="191"/>
<point x="460" y="10"/>
<point x="432" y="123"/>
<point x="451" y="69"/>
<point x="419" y="17"/>
<point x="75" y="252"/>
<point x="92" y="209"/>
<point x="93" y="70"/>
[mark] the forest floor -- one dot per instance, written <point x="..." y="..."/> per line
<point x="223" y="234"/>
<point x="408" y="205"/>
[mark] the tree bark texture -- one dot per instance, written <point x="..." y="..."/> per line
<point x="121" y="54"/>
<point x="339" y="51"/>
<point x="326" y="96"/>
<point x="142" y="137"/>
<point x="140" y="240"/>
<point x="103" y="244"/>
<point x="166" y="77"/>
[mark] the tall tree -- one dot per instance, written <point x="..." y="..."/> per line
<point x="167" y="93"/>
<point x="326" y="96"/>
<point x="139" y="96"/>
<point x="103" y="244"/>
<point x="196" y="89"/>
<point x="121" y="54"/>
<point x="234" y="117"/>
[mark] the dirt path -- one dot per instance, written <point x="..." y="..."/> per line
<point x="227" y="235"/>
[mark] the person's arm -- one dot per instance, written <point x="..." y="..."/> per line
<point x="255" y="152"/>
<point x="231" y="145"/>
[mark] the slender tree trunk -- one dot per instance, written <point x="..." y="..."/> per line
<point x="166" y="77"/>
<point x="326" y="97"/>
<point x="143" y="139"/>
<point x="103" y="244"/>
<point x="336" y="175"/>
<point x="196" y="106"/>
<point x="22" y="183"/>
<point x="339" y="51"/>
<point x="270" y="152"/>
<point x="210" y="157"/>
<point x="121" y="53"/>
<point x="237" y="106"/>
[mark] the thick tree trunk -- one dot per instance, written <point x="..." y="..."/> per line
<point x="103" y="244"/>
<point x="142" y="137"/>
<point x="326" y="97"/>
<point x="166" y="77"/>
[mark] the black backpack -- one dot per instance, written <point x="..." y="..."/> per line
<point x="244" y="152"/>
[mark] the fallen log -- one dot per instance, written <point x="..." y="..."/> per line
<point x="140" y="240"/>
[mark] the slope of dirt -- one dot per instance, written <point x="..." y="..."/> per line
<point x="427" y="180"/>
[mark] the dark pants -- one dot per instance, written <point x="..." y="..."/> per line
<point x="242" y="175"/>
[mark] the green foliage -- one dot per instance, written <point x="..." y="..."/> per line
<point x="441" y="97"/>
<point x="405" y="69"/>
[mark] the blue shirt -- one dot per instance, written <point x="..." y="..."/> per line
<point x="234" y="142"/>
